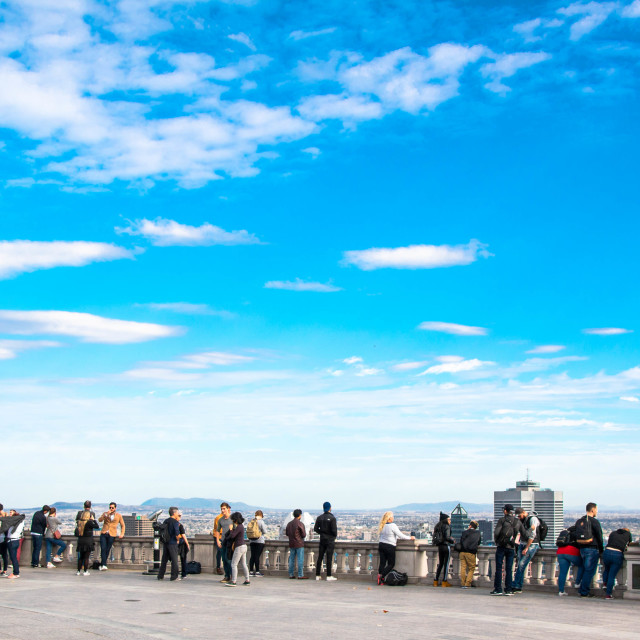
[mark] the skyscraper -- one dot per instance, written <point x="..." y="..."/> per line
<point x="548" y="504"/>
<point x="459" y="522"/>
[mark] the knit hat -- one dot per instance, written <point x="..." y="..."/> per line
<point x="326" y="506"/>
<point x="443" y="516"/>
<point x="508" y="507"/>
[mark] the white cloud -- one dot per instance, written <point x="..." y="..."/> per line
<point x="453" y="329"/>
<point x="526" y="29"/>
<point x="244" y="39"/>
<point x="312" y="151"/>
<point x="302" y="35"/>
<point x="421" y="256"/>
<point x="86" y="326"/>
<point x="409" y="366"/>
<point x="188" y="308"/>
<point x="457" y="365"/>
<point x="301" y="285"/>
<point x="630" y="398"/>
<point x="368" y="371"/>
<point x="352" y="360"/>
<point x="632" y="10"/>
<point x="507" y="65"/>
<point x="595" y="13"/>
<point x="547" y="348"/>
<point x="25" y="256"/>
<point x="350" y="109"/>
<point x="9" y="349"/>
<point x="167" y="233"/>
<point x="607" y="331"/>
<point x="221" y="358"/>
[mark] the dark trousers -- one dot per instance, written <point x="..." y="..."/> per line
<point x="218" y="557"/>
<point x="106" y="543"/>
<point x="326" y="547"/>
<point x="83" y="560"/>
<point x="444" y="556"/>
<point x="256" y="552"/>
<point x="4" y="554"/>
<point x="590" y="558"/>
<point x="226" y="562"/>
<point x="36" y="546"/>
<point x="504" y="557"/>
<point x="183" y="552"/>
<point x="12" y="547"/>
<point x="169" y="553"/>
<point x="387" y="558"/>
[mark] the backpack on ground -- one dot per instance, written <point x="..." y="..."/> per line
<point x="163" y="532"/>
<point x="565" y="537"/>
<point x="505" y="532"/>
<point x="584" y="531"/>
<point x="193" y="567"/>
<point x="253" y="530"/>
<point x="396" y="579"/>
<point x="438" y="535"/>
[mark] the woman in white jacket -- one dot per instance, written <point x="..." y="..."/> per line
<point x="389" y="535"/>
<point x="13" y="544"/>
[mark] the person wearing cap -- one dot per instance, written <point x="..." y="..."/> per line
<point x="327" y="527"/>
<point x="506" y="534"/>
<point x="527" y="547"/>
<point x="442" y="533"/>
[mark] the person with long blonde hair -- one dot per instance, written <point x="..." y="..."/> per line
<point x="85" y="526"/>
<point x="389" y="535"/>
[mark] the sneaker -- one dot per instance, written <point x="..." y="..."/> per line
<point x="247" y="582"/>
<point x="318" y="578"/>
<point x="13" y="576"/>
<point x="562" y="593"/>
<point x="464" y="587"/>
<point x="259" y="574"/>
<point x="516" y="590"/>
<point x="230" y="584"/>
<point x="331" y="579"/>
<point x="252" y="573"/>
<point x="50" y="565"/>
<point x="80" y="573"/>
<point x="102" y="568"/>
<point x="57" y="559"/>
<point x="303" y="577"/>
<point x="497" y="592"/>
<point x="509" y="592"/>
<point x="86" y="573"/>
<point x="292" y="577"/>
<point x="608" y="598"/>
<point x="225" y="580"/>
<point x="589" y="595"/>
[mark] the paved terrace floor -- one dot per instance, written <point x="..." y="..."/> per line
<point x="129" y="606"/>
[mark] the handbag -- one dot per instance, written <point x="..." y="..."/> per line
<point x="57" y="535"/>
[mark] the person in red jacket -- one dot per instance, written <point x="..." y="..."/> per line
<point x="296" y="533"/>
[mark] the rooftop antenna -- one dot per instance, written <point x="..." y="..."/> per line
<point x="527" y="475"/>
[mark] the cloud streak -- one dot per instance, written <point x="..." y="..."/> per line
<point x="301" y="285"/>
<point x="453" y="329"/>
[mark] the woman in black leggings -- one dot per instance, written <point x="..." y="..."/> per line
<point x="85" y="525"/>
<point x="389" y="535"/>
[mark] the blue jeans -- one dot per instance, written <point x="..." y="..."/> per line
<point x="296" y="554"/>
<point x="51" y="542"/>
<point x="590" y="559"/>
<point x="36" y="546"/>
<point x="611" y="562"/>
<point x="226" y="562"/>
<point x="106" y="543"/>
<point x="504" y="556"/>
<point x="523" y="562"/>
<point x="12" y="547"/>
<point x="564" y="562"/>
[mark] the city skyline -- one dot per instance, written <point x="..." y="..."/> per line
<point x="276" y="249"/>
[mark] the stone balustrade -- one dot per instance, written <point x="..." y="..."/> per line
<point x="359" y="561"/>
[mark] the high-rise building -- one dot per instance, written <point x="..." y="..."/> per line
<point x="548" y="504"/>
<point x="459" y="522"/>
<point x="136" y="525"/>
<point x="485" y="527"/>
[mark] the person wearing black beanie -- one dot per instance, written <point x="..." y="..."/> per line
<point x="442" y="538"/>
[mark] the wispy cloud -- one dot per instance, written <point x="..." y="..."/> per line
<point x="607" y="331"/>
<point x="508" y="65"/>
<point x="630" y="398"/>
<point x="303" y="35"/>
<point x="244" y="39"/>
<point x="352" y="360"/>
<point x="421" y="256"/>
<point x="167" y="233"/>
<point x="593" y="15"/>
<point x="85" y="326"/>
<point x="301" y="285"/>
<point x="453" y="329"/>
<point x="409" y="366"/>
<point x="9" y="349"/>
<point x="25" y="256"/>
<point x="547" y="348"/>
<point x="312" y="151"/>
<point x="188" y="308"/>
<point x="632" y="10"/>
<point x="455" y="364"/>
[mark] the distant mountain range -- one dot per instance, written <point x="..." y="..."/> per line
<point x="447" y="507"/>
<point x="197" y="503"/>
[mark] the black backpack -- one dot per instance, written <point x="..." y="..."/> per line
<point x="438" y="535"/>
<point x="163" y="532"/>
<point x="396" y="579"/>
<point x="565" y="537"/>
<point x="584" y="531"/>
<point x="193" y="567"/>
<point x="505" y="532"/>
<point x="543" y="527"/>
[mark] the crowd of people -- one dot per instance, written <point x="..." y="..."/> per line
<point x="518" y="535"/>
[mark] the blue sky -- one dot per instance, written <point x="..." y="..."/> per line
<point x="371" y="252"/>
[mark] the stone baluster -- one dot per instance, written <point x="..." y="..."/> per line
<point x="136" y="552"/>
<point x="351" y="560"/>
<point x="310" y="555"/>
<point x="535" y="569"/>
<point x="126" y="552"/>
<point x="341" y="561"/>
<point x="486" y="562"/>
<point x="364" y="561"/>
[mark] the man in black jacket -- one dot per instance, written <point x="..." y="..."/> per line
<point x="469" y="541"/>
<point x="38" y="526"/>
<point x="506" y="534"/>
<point x="327" y="527"/>
<point x="591" y="550"/>
<point x="442" y="534"/>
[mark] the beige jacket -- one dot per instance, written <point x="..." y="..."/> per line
<point x="111" y="522"/>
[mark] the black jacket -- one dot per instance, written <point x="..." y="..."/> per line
<point x="39" y="522"/>
<point x="470" y="540"/>
<point x="446" y="533"/>
<point x="619" y="539"/>
<point x="327" y="527"/>
<point x="516" y="524"/>
<point x="597" y="542"/>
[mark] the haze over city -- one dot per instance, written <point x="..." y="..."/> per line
<point x="286" y="253"/>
